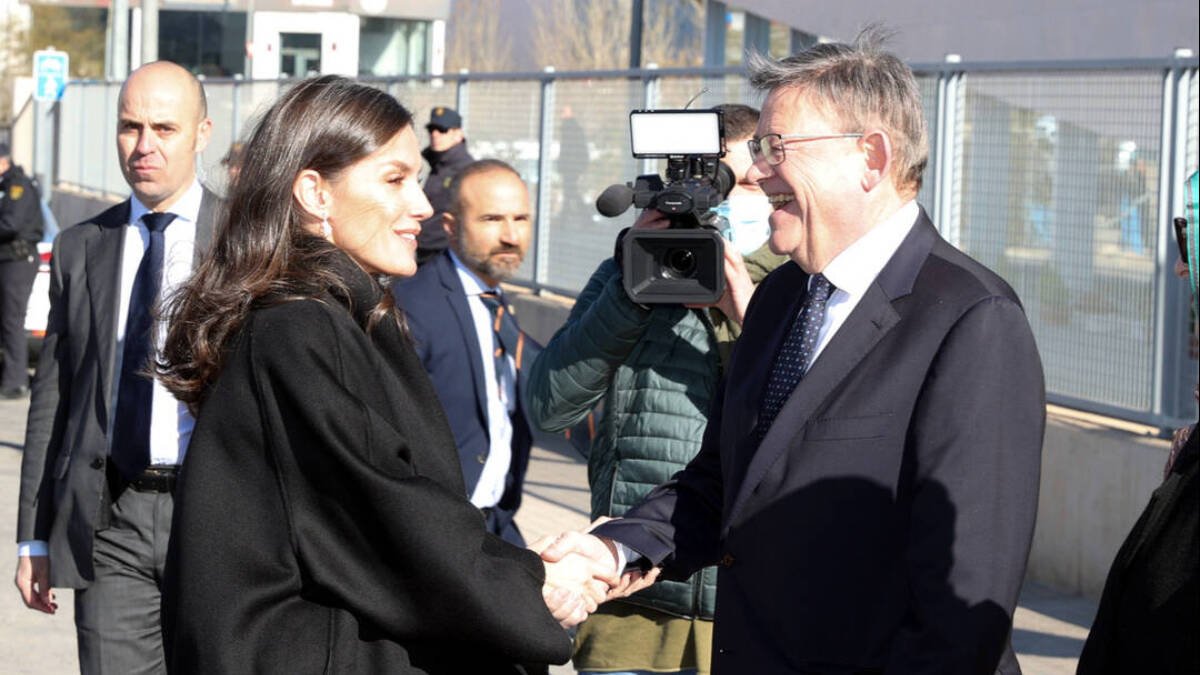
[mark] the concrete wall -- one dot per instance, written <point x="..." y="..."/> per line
<point x="1097" y="476"/>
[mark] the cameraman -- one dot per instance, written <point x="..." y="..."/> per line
<point x="656" y="369"/>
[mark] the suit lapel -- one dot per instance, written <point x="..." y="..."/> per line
<point x="103" y="267"/>
<point x="870" y="321"/>
<point x="863" y="329"/>
<point x="456" y="298"/>
<point x="204" y="226"/>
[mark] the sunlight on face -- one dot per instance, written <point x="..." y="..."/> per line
<point x="160" y="128"/>
<point x="377" y="207"/>
<point x="493" y="229"/>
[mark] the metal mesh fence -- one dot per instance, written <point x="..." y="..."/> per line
<point x="1059" y="189"/>
<point x="589" y="150"/>
<point x="1051" y="177"/>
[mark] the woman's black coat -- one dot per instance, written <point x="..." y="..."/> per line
<point x="320" y="523"/>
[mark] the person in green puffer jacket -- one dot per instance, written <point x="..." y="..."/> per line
<point x="656" y="370"/>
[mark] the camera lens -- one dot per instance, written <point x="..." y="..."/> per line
<point x="679" y="263"/>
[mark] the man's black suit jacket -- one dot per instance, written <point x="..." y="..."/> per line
<point x="884" y="522"/>
<point x="440" y="322"/>
<point x="63" y="486"/>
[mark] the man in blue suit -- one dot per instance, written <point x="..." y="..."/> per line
<point x="468" y="339"/>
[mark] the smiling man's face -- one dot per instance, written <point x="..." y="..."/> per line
<point x="817" y="191"/>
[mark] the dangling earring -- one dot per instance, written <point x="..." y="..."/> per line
<point x="326" y="228"/>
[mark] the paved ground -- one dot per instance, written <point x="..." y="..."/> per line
<point x="1049" y="634"/>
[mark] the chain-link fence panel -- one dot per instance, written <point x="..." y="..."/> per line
<point x="1060" y="184"/>
<point x="1052" y="177"/>
<point x="589" y="151"/>
<point x="929" y="104"/>
<point x="501" y="121"/>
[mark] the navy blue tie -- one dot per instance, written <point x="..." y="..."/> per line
<point x="794" y="354"/>
<point x="131" y="426"/>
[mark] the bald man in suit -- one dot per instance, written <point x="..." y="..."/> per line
<point x="103" y="441"/>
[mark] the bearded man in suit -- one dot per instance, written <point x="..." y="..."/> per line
<point x="469" y="342"/>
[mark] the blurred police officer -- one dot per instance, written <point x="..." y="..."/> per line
<point x="447" y="155"/>
<point x="20" y="230"/>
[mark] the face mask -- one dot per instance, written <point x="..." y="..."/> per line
<point x="748" y="227"/>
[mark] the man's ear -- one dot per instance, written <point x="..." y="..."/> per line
<point x="877" y="150"/>
<point x="312" y="194"/>
<point x="450" y="225"/>
<point x="203" y="134"/>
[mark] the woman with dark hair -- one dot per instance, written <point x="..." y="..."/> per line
<point x="321" y="522"/>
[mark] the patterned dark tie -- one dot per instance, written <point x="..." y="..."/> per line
<point x="794" y="354"/>
<point x="510" y="340"/>
<point x="131" y="426"/>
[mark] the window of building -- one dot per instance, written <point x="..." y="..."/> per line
<point x="781" y="39"/>
<point x="299" y="54"/>
<point x="206" y="43"/>
<point x="735" y="37"/>
<point x="392" y="46"/>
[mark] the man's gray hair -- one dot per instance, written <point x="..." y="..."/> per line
<point x="861" y="86"/>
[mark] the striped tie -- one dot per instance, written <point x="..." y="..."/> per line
<point x="509" y="339"/>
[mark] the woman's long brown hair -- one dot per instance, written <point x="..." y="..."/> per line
<point x="261" y="252"/>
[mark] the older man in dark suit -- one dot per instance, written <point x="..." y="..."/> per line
<point x="868" y="478"/>
<point x="103" y="439"/>
<point x="469" y="341"/>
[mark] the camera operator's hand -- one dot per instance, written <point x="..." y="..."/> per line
<point x="652" y="219"/>
<point x="738" y="287"/>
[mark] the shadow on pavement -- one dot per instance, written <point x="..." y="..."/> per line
<point x="1034" y="643"/>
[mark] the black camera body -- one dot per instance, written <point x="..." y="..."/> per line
<point x="686" y="262"/>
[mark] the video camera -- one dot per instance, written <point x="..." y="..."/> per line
<point x="684" y="263"/>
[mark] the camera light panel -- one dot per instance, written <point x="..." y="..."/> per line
<point x="671" y="133"/>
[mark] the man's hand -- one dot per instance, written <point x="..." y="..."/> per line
<point x="652" y="219"/>
<point x="582" y="576"/>
<point x="575" y="584"/>
<point x="738" y="287"/>
<point x="632" y="582"/>
<point x="33" y="582"/>
<point x="600" y="550"/>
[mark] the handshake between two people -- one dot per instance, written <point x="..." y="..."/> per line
<point x="582" y="573"/>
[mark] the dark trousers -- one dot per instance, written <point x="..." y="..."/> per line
<point x="117" y="617"/>
<point x="16" y="281"/>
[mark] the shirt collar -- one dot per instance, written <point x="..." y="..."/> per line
<point x="855" y="268"/>
<point x="187" y="208"/>
<point x="471" y="282"/>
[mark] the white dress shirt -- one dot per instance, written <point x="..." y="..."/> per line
<point x="854" y="270"/>
<point x="170" y="422"/>
<point x="501" y="393"/>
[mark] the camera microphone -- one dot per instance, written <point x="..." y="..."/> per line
<point x="615" y="200"/>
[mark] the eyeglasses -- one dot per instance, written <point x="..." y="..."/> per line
<point x="771" y="146"/>
<point x="1181" y="225"/>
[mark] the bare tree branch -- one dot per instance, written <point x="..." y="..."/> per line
<point x="474" y="42"/>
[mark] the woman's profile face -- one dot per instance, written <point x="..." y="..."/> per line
<point x="377" y="207"/>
